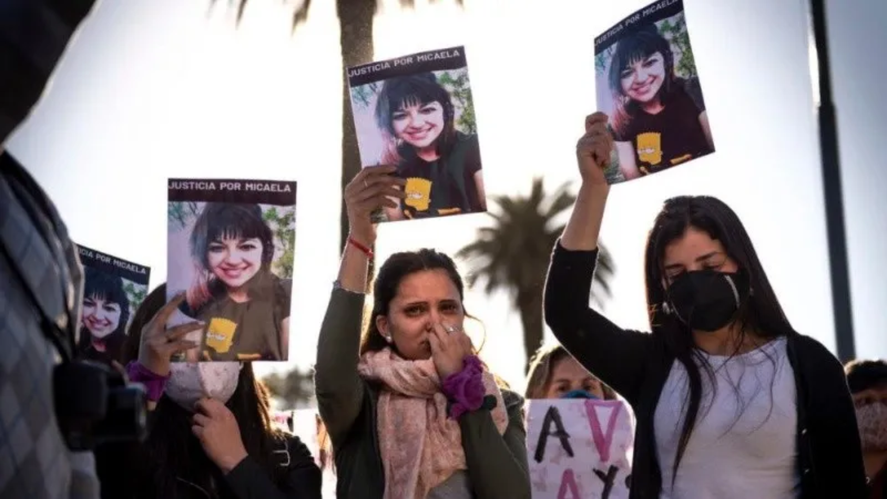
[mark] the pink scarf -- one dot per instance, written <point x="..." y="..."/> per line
<point x="419" y="444"/>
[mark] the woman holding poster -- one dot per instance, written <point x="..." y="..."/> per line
<point x="104" y="317"/>
<point x="210" y="432"/>
<point x="410" y="409"/>
<point x="245" y="306"/>
<point x="730" y="400"/>
<point x="442" y="165"/>
<point x="659" y="119"/>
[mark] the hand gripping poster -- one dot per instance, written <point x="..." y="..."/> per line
<point x="231" y="247"/>
<point x="113" y="289"/>
<point x="579" y="448"/>
<point x="416" y="112"/>
<point x="647" y="83"/>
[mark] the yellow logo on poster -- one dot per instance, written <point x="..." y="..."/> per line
<point x="220" y="334"/>
<point x="418" y="193"/>
<point x="650" y="147"/>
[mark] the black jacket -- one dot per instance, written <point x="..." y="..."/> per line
<point x="123" y="476"/>
<point x="637" y="365"/>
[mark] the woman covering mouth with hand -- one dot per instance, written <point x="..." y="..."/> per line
<point x="244" y="305"/>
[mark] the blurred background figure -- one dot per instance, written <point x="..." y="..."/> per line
<point x="868" y="385"/>
<point x="40" y="273"/>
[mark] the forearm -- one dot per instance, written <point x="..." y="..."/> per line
<point x="497" y="464"/>
<point x="338" y="387"/>
<point x="584" y="226"/>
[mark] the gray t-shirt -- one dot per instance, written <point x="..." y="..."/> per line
<point x="457" y="486"/>
<point x="743" y="443"/>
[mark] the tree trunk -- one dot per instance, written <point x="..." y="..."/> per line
<point x="356" y="41"/>
<point x="529" y="303"/>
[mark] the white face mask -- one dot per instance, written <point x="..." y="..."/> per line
<point x="190" y="382"/>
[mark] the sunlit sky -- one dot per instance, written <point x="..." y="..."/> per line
<point x="153" y="89"/>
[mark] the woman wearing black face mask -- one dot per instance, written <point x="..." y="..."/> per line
<point x="730" y="400"/>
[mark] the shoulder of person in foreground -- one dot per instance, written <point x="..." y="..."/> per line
<point x="831" y="420"/>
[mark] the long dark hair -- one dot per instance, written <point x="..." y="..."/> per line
<point x="220" y="221"/>
<point x="760" y="313"/>
<point x="171" y="449"/>
<point x="99" y="285"/>
<point x="637" y="47"/>
<point x="412" y="90"/>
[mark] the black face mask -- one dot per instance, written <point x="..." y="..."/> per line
<point x="707" y="300"/>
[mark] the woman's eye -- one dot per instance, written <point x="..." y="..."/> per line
<point x="414" y="311"/>
<point x="248" y="247"/>
<point x="399" y="117"/>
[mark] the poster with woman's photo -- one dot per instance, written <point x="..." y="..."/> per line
<point x="231" y="251"/>
<point x="416" y="112"/>
<point x="648" y="85"/>
<point x="113" y="289"/>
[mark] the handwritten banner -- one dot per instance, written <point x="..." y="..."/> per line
<point x="579" y="449"/>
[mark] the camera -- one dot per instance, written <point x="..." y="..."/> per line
<point x="93" y="402"/>
<point x="94" y="405"/>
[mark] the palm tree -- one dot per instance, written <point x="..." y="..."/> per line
<point x="356" y="41"/>
<point x="513" y="253"/>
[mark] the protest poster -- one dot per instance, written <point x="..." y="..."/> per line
<point x="113" y="289"/>
<point x="230" y="251"/>
<point x="579" y="448"/>
<point x="417" y="112"/>
<point x="647" y="83"/>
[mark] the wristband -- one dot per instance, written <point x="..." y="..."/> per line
<point x="465" y="389"/>
<point x="154" y="383"/>
<point x="362" y="247"/>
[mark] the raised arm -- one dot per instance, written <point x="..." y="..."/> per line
<point x="618" y="357"/>
<point x="338" y="387"/>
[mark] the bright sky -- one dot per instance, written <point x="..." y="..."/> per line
<point x="154" y="89"/>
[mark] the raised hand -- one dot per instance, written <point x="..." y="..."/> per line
<point x="594" y="149"/>
<point x="159" y="344"/>
<point x="371" y="189"/>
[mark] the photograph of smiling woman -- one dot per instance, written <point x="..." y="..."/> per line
<point x="105" y="316"/>
<point x="648" y="84"/>
<point x="442" y="165"/>
<point x="234" y="289"/>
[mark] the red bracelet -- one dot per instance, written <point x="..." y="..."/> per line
<point x="366" y="250"/>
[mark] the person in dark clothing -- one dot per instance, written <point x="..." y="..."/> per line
<point x="868" y="384"/>
<point x="441" y="165"/>
<point x="210" y="431"/>
<point x="730" y="400"/>
<point x="659" y="119"/>
<point x="104" y="318"/>
<point x="34" y="35"/>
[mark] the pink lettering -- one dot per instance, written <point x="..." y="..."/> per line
<point x="568" y="483"/>
<point x="602" y="441"/>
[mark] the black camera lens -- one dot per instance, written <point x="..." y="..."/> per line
<point x="94" y="405"/>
